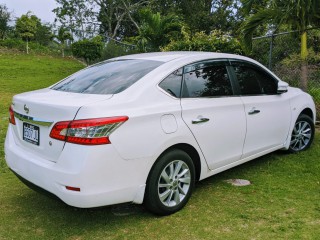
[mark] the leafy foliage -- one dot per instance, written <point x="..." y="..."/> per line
<point x="78" y="15"/>
<point x="5" y="17"/>
<point x="297" y="15"/>
<point x="197" y="14"/>
<point x="119" y="18"/>
<point x="156" y="31"/>
<point x="43" y="34"/>
<point x="21" y="46"/>
<point x="203" y="15"/>
<point x="89" y="50"/>
<point x="62" y="36"/>
<point x="217" y="41"/>
<point x="26" y="26"/>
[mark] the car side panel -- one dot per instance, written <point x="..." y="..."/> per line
<point x="221" y="138"/>
<point x="144" y="134"/>
<point x="269" y="126"/>
<point x="299" y="101"/>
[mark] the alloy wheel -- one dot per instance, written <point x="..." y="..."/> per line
<point x="301" y="135"/>
<point x="174" y="183"/>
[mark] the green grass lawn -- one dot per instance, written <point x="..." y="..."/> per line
<point x="283" y="201"/>
<point x="22" y="73"/>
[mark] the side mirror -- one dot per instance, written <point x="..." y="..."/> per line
<point x="282" y="87"/>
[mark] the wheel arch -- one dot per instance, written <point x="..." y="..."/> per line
<point x="153" y="200"/>
<point x="191" y="151"/>
<point x="304" y="142"/>
<point x="307" y="111"/>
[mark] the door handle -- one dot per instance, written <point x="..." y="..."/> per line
<point x="253" y="111"/>
<point x="200" y="120"/>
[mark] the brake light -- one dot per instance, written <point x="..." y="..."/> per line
<point x="76" y="189"/>
<point x="87" y="131"/>
<point x="11" y="116"/>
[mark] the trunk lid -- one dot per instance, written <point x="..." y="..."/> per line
<point x="36" y="113"/>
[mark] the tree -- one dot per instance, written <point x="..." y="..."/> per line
<point x="196" y="14"/>
<point x="227" y="15"/>
<point x="82" y="17"/>
<point x="118" y="17"/>
<point x="297" y="15"/>
<point x="203" y="15"/>
<point x="5" y="17"/>
<point x="62" y="36"/>
<point x="26" y="26"/>
<point x="43" y="34"/>
<point x="79" y="16"/>
<point x="156" y="31"/>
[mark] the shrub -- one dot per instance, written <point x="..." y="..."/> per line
<point x="217" y="41"/>
<point x="13" y="43"/>
<point x="20" y="45"/>
<point x="89" y="50"/>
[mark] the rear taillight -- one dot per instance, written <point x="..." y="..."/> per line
<point x="87" y="131"/>
<point x="11" y="116"/>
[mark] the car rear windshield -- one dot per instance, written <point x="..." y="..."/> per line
<point x="109" y="77"/>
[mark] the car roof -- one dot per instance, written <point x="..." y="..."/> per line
<point x="189" y="56"/>
<point x="169" y="56"/>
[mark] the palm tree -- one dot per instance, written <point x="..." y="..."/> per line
<point x="296" y="14"/>
<point x="156" y="30"/>
<point x="63" y="35"/>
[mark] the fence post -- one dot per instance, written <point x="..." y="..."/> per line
<point x="270" y="52"/>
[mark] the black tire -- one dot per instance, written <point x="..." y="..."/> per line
<point x="175" y="189"/>
<point x="302" y="134"/>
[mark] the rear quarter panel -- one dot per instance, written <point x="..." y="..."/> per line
<point x="143" y="135"/>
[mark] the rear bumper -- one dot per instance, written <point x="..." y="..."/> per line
<point x="35" y="187"/>
<point x="103" y="177"/>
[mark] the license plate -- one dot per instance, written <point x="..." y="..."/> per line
<point x="31" y="133"/>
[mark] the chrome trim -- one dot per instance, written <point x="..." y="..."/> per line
<point x="200" y="120"/>
<point x="32" y="120"/>
<point x="165" y="92"/>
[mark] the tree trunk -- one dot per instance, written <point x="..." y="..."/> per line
<point x="27" y="46"/>
<point x="304" y="65"/>
<point x="62" y="49"/>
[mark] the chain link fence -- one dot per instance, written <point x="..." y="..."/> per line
<point x="281" y="54"/>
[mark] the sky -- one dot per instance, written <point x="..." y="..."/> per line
<point x="41" y="8"/>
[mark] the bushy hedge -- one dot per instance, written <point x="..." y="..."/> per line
<point x="89" y="50"/>
<point x="217" y="41"/>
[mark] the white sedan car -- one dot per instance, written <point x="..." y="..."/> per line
<point x="144" y="128"/>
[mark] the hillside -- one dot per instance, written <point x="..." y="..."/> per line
<point x="21" y="73"/>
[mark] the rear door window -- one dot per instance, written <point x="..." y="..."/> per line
<point x="109" y="77"/>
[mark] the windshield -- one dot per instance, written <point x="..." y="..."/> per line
<point x="107" y="77"/>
